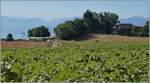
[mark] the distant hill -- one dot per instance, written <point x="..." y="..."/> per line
<point x="136" y="20"/>
<point x="57" y="21"/>
<point x="17" y="25"/>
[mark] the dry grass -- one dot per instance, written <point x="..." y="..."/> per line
<point x="55" y="43"/>
<point x="97" y="37"/>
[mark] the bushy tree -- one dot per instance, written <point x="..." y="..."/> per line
<point x="80" y="27"/>
<point x="65" y="30"/>
<point x="10" y="37"/>
<point x="40" y="31"/>
<point x="126" y="31"/>
<point x="136" y="31"/>
<point x="71" y="29"/>
<point x="141" y="31"/>
<point x="100" y="22"/>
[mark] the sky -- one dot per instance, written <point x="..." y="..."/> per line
<point x="61" y="9"/>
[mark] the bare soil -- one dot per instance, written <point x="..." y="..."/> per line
<point x="117" y="38"/>
<point x="103" y="37"/>
<point x="90" y="37"/>
<point x="23" y="44"/>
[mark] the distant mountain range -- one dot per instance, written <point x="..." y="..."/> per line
<point x="135" y="20"/>
<point x="17" y="25"/>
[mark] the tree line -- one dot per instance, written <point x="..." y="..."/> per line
<point x="92" y="22"/>
<point x="142" y="31"/>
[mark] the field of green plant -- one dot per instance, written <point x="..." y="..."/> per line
<point x="82" y="61"/>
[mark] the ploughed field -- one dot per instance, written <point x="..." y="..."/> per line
<point x="23" y="44"/>
<point x="94" y="60"/>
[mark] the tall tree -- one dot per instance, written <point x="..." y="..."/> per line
<point x="80" y="27"/>
<point x="100" y="23"/>
<point x="145" y="31"/>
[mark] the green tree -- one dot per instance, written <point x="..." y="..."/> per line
<point x="71" y="29"/>
<point x="136" y="31"/>
<point x="100" y="23"/>
<point x="80" y="27"/>
<point x="10" y="37"/>
<point x="65" y="30"/>
<point x="92" y="22"/>
<point x="40" y="31"/>
<point x="109" y="20"/>
<point x="145" y="31"/>
<point x="126" y="31"/>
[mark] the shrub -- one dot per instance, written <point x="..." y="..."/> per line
<point x="40" y="31"/>
<point x="65" y="30"/>
<point x="70" y="29"/>
<point x="10" y="37"/>
<point x="126" y="32"/>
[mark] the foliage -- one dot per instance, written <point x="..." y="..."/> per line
<point x="145" y="31"/>
<point x="126" y="32"/>
<point x="100" y="22"/>
<point x="10" y="37"/>
<point x="92" y="22"/>
<point x="80" y="27"/>
<point x="65" y="30"/>
<point x="71" y="29"/>
<point x="84" y="61"/>
<point x="135" y="31"/>
<point x="40" y="31"/>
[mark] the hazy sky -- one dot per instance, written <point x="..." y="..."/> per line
<point x="52" y="9"/>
